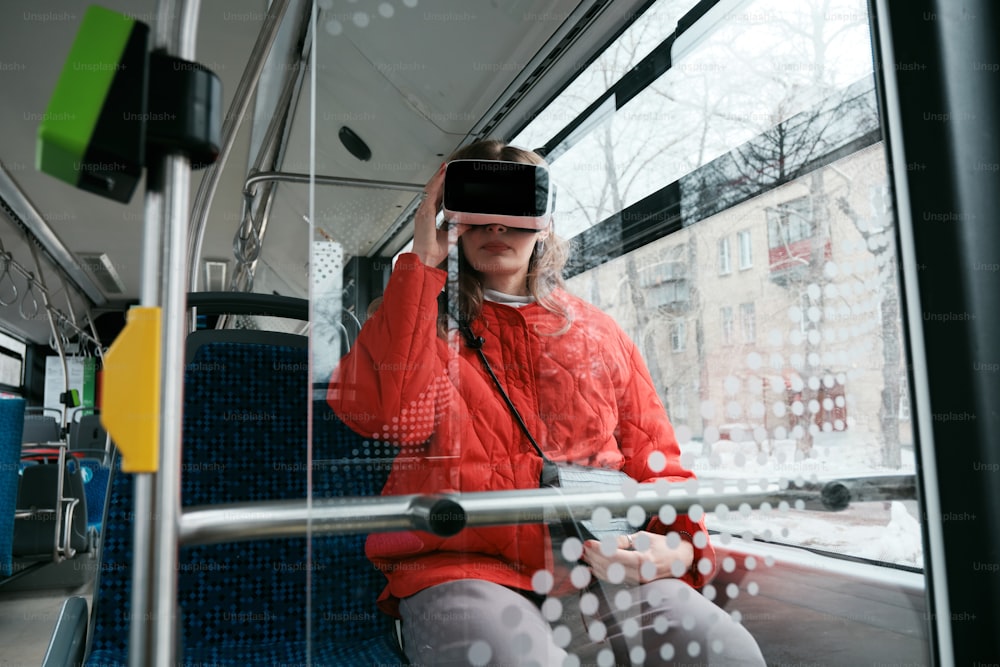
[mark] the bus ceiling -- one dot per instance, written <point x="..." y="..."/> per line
<point x="393" y="88"/>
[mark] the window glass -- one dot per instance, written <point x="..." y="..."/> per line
<point x="760" y="67"/>
<point x="746" y="249"/>
<point x="748" y="322"/>
<point x="726" y="316"/>
<point x="725" y="263"/>
<point x="766" y="131"/>
<point x="11" y="361"/>
<point x="634" y="44"/>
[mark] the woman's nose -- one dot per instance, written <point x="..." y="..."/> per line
<point x="496" y="227"/>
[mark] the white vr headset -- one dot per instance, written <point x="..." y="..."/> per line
<point x="477" y="192"/>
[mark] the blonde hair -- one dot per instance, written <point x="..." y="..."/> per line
<point x="545" y="266"/>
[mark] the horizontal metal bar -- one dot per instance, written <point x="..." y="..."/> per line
<point x="293" y="518"/>
<point x="448" y="514"/>
<point x="319" y="179"/>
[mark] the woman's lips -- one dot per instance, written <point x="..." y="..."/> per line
<point x="495" y="246"/>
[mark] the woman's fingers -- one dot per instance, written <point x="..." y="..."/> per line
<point x="429" y="242"/>
<point x="435" y="187"/>
<point x="622" y="566"/>
<point x="651" y="559"/>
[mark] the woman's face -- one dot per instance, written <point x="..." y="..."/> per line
<point x="501" y="254"/>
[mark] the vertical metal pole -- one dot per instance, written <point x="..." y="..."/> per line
<point x="59" y="551"/>
<point x="312" y="341"/>
<point x="153" y="627"/>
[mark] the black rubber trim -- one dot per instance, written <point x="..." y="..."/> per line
<point x="248" y="303"/>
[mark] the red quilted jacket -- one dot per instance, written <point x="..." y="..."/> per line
<point x="585" y="395"/>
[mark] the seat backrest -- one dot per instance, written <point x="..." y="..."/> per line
<point x="39" y="429"/>
<point x="245" y="440"/>
<point x="346" y="584"/>
<point x="39" y="489"/>
<point x="11" y="424"/>
<point x="88" y="437"/>
<point x="89" y="443"/>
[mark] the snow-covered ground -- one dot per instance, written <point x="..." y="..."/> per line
<point x="881" y="530"/>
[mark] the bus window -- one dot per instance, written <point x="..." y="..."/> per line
<point x="636" y="42"/>
<point x="733" y="216"/>
<point x="11" y="364"/>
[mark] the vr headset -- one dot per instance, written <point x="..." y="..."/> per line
<point x="476" y="192"/>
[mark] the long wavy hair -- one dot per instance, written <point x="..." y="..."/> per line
<point x="545" y="266"/>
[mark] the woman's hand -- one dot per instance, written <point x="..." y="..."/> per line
<point x="644" y="557"/>
<point x="430" y="244"/>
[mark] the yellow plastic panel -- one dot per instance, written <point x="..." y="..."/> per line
<point x="130" y="403"/>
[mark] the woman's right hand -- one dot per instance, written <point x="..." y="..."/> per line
<point x="430" y="244"/>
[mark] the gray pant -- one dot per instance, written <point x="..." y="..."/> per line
<point x="664" y="622"/>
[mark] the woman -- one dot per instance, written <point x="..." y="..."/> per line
<point x="500" y="596"/>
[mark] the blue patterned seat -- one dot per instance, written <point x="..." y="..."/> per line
<point x="11" y="424"/>
<point x="245" y="413"/>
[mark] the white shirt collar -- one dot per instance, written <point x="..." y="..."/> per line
<point x="513" y="300"/>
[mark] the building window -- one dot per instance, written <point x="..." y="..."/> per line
<point x="726" y="314"/>
<point x="725" y="259"/>
<point x="746" y="251"/>
<point x="789" y="223"/>
<point x="748" y="322"/>
<point x="678" y="335"/>
<point x="666" y="283"/>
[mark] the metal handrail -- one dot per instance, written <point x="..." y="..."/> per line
<point x="34" y="283"/>
<point x="273" y="145"/>
<point x="153" y="625"/>
<point x="320" y="179"/>
<point x="233" y="119"/>
<point x="447" y="514"/>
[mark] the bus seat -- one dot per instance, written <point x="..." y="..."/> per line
<point x="11" y="425"/>
<point x="42" y="438"/>
<point x="95" y="489"/>
<point x="88" y="439"/>
<point x="245" y="603"/>
<point x="39" y="429"/>
<point x="345" y="464"/>
<point x="89" y="443"/>
<point x="35" y="535"/>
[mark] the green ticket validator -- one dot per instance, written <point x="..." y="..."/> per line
<point x="92" y="135"/>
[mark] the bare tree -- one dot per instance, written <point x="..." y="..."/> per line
<point x="875" y="233"/>
<point x="806" y="117"/>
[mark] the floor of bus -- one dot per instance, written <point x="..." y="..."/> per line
<point x="30" y="603"/>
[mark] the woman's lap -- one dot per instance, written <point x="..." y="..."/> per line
<point x="474" y="622"/>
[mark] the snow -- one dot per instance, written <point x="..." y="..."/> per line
<point x="888" y="531"/>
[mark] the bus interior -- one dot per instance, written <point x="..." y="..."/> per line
<point x="785" y="205"/>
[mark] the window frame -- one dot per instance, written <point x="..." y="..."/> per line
<point x="725" y="258"/>
<point x="747" y="245"/>
<point x="748" y="325"/>
<point x="727" y="319"/>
